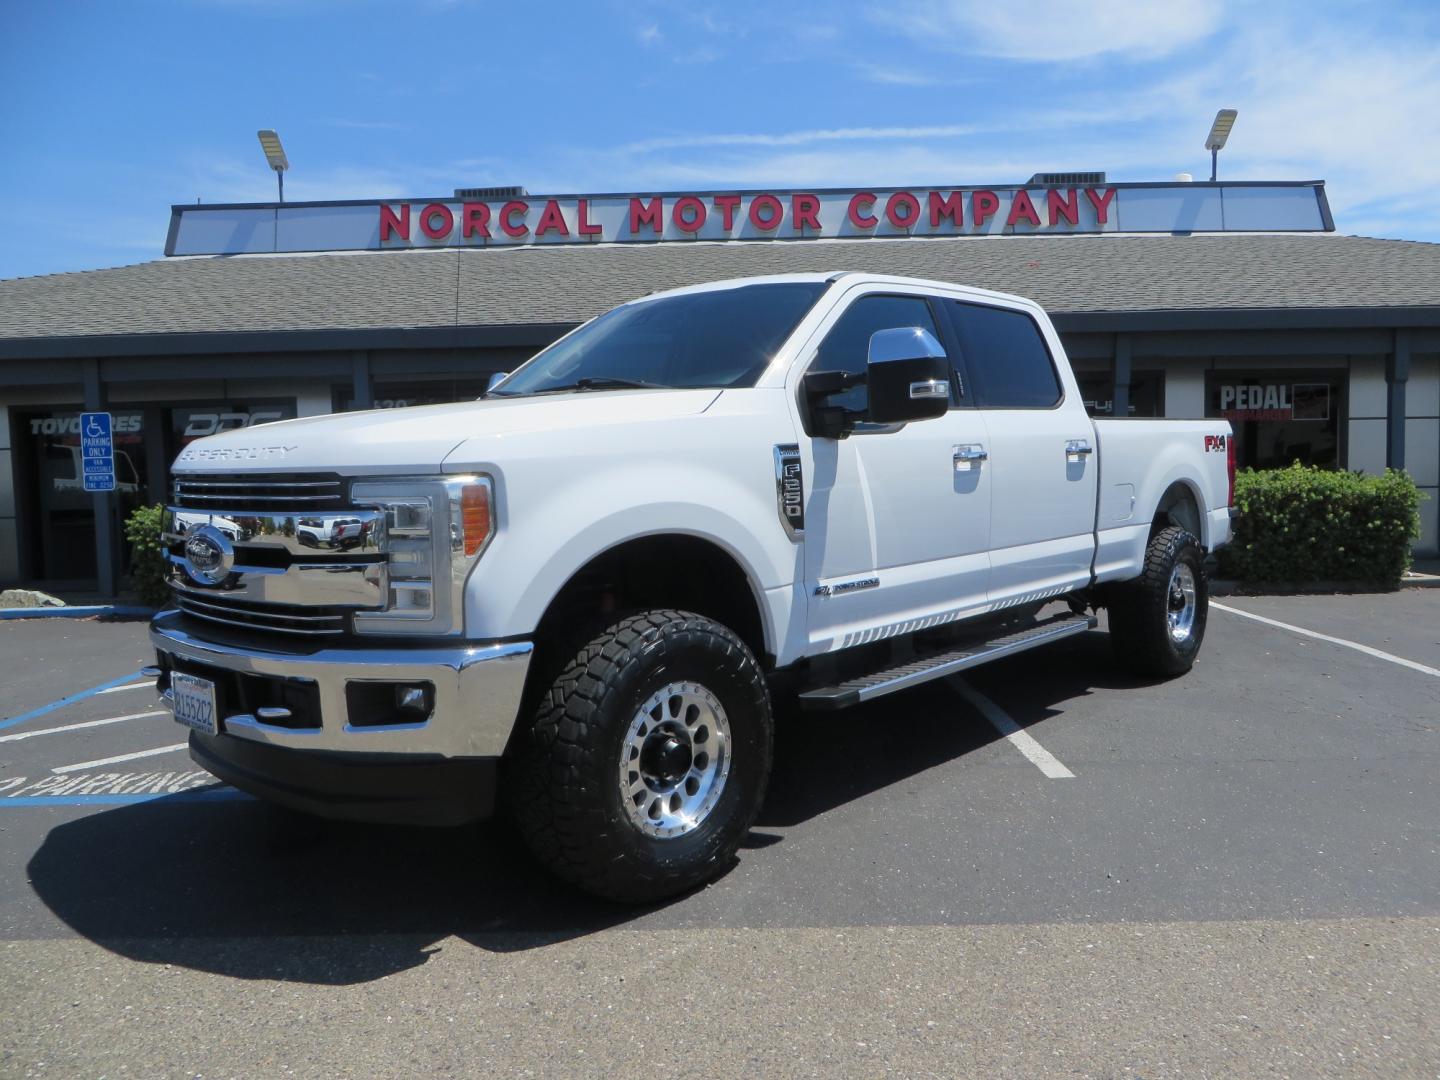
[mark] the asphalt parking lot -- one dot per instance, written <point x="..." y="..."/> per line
<point x="1048" y="869"/>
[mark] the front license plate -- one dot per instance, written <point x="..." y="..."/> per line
<point x="194" y="702"/>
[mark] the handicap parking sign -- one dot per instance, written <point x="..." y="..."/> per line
<point x="97" y="451"/>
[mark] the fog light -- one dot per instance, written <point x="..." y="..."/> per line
<point x="412" y="702"/>
<point x="388" y="704"/>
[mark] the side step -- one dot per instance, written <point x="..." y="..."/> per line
<point x="938" y="665"/>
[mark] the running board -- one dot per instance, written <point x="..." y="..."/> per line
<point x="938" y="665"/>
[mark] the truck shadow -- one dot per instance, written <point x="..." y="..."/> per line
<point x="245" y="890"/>
<point x="824" y="760"/>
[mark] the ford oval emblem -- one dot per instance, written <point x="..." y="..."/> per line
<point x="209" y="555"/>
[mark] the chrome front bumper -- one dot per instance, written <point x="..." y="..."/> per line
<point x="477" y="691"/>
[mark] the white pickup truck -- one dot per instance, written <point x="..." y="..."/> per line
<point x="577" y="595"/>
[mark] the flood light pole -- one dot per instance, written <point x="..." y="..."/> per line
<point x="275" y="155"/>
<point x="1215" y="141"/>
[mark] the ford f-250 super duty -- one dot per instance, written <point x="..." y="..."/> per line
<point x="580" y="592"/>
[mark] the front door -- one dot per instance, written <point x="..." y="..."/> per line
<point x="901" y="516"/>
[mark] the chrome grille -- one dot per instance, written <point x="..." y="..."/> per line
<point x="281" y="618"/>
<point x="270" y="492"/>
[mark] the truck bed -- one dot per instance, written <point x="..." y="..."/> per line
<point x="1145" y="463"/>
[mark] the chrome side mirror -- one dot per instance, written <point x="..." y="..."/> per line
<point x="907" y="375"/>
<point x="496" y="378"/>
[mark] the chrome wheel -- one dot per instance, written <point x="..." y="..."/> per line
<point x="675" y="760"/>
<point x="1181" y="609"/>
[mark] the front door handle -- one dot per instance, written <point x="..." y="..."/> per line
<point x="970" y="457"/>
<point x="1077" y="448"/>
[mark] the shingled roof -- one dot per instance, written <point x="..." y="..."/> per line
<point x="562" y="285"/>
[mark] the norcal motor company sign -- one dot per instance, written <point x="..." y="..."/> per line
<point x="751" y="216"/>
<point x="845" y="214"/>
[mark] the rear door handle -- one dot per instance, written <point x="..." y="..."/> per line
<point x="1076" y="448"/>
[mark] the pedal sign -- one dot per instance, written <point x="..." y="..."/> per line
<point x="97" y="451"/>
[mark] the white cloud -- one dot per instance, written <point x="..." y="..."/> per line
<point x="702" y="55"/>
<point x="708" y="21"/>
<point x="217" y="178"/>
<point x="1362" y="111"/>
<point x="363" y="125"/>
<point x="873" y="164"/>
<point x="799" y="138"/>
<point x="649" y="34"/>
<point x="896" y="76"/>
<point x="1057" y="29"/>
<point x="1317" y="100"/>
<point x="838" y="168"/>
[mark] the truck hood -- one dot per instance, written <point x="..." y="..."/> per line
<point x="407" y="440"/>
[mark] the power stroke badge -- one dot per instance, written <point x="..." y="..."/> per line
<point x="790" y="489"/>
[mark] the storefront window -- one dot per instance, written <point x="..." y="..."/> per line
<point x="1147" y="393"/>
<point x="1281" y="418"/>
<point x="59" y="543"/>
<point x="62" y="539"/>
<point x="191" y="422"/>
<point x="402" y="395"/>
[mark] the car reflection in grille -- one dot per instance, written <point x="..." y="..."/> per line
<point x="268" y="493"/>
<point x="282" y="618"/>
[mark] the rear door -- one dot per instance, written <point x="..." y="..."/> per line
<point x="1043" y="467"/>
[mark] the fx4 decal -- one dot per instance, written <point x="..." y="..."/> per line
<point x="1214" y="443"/>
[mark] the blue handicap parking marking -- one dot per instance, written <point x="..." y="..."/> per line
<point x="215" y="794"/>
<point x="69" y="699"/>
<point x="97" y="451"/>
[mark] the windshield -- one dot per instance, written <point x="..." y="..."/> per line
<point x="716" y="338"/>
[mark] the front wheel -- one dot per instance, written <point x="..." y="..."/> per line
<point x="1157" y="621"/>
<point x="647" y="758"/>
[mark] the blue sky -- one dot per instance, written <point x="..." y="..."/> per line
<point x="110" y="112"/>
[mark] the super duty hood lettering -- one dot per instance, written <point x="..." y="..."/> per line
<point x="235" y="453"/>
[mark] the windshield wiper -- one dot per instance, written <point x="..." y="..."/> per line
<point x="605" y="382"/>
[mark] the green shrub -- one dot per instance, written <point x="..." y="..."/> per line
<point x="1310" y="524"/>
<point x="147" y="561"/>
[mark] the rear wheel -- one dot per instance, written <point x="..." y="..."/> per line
<point x="647" y="758"/>
<point x="1157" y="621"/>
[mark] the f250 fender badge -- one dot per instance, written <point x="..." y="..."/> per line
<point x="847" y="586"/>
<point x="790" y="489"/>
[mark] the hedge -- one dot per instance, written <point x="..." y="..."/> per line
<point x="147" y="557"/>
<point x="1307" y="524"/>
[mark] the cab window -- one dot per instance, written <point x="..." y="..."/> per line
<point x="847" y="346"/>
<point x="1006" y="358"/>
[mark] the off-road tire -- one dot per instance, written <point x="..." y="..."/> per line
<point x="1139" y="610"/>
<point x="562" y="780"/>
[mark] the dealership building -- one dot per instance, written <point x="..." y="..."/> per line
<point x="1235" y="300"/>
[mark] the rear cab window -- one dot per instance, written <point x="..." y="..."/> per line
<point x="1006" y="358"/>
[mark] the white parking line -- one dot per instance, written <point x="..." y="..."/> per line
<point x="1366" y="649"/>
<point x="76" y="727"/>
<point x="1017" y="736"/>
<point x="121" y="757"/>
<point x="131" y="686"/>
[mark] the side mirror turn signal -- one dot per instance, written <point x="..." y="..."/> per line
<point x="908" y="376"/>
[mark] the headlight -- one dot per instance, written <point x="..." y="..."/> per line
<point x="435" y="530"/>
